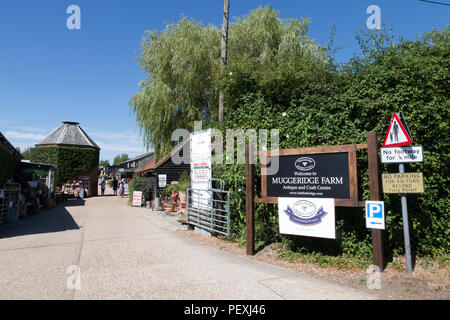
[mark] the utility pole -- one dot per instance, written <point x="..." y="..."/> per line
<point x="226" y="10"/>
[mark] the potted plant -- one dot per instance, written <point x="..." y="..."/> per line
<point x="183" y="184"/>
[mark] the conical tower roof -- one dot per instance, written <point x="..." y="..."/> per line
<point x="68" y="134"/>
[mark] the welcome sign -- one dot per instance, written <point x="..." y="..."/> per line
<point x="315" y="175"/>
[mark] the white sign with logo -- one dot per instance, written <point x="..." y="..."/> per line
<point x="375" y="215"/>
<point x="137" y="198"/>
<point x="311" y="217"/>
<point x="201" y="172"/>
<point x="402" y="154"/>
<point x="162" y="180"/>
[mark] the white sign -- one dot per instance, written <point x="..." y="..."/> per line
<point x="162" y="180"/>
<point x="401" y="154"/>
<point x="375" y="215"/>
<point x="137" y="198"/>
<point x="311" y="217"/>
<point x="201" y="172"/>
<point x="2" y="193"/>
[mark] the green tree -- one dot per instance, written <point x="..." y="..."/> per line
<point x="120" y="158"/>
<point x="181" y="63"/>
<point x="183" y="68"/>
<point x="104" y="163"/>
<point x="26" y="153"/>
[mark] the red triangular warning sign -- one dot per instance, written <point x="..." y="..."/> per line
<point x="397" y="135"/>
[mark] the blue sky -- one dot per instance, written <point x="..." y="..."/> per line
<point x="50" y="74"/>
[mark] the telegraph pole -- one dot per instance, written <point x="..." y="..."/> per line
<point x="226" y="10"/>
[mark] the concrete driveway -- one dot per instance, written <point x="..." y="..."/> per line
<point x="101" y="248"/>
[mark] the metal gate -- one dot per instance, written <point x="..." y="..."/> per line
<point x="209" y="209"/>
<point x="9" y="203"/>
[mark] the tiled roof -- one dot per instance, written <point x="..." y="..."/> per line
<point x="69" y="134"/>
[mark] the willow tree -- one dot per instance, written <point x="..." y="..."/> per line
<point x="181" y="63"/>
<point x="184" y="73"/>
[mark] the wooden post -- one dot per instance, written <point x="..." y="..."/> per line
<point x="250" y="196"/>
<point x="376" y="195"/>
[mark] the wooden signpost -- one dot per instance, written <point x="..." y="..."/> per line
<point x="320" y="172"/>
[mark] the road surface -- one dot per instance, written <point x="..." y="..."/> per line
<point x="101" y="248"/>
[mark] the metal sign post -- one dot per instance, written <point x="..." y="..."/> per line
<point x="401" y="169"/>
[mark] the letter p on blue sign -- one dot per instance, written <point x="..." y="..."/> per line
<point x="375" y="215"/>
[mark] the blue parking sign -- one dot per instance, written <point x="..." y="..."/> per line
<point x="375" y="215"/>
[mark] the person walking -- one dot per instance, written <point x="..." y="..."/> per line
<point x="115" y="183"/>
<point x="103" y="186"/>
<point x="121" y="189"/>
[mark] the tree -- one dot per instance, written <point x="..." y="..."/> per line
<point x="26" y="153"/>
<point x="120" y="158"/>
<point x="104" y="163"/>
<point x="183" y="66"/>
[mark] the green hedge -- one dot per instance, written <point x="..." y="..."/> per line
<point x="7" y="166"/>
<point x="322" y="104"/>
<point x="70" y="160"/>
<point x="138" y="184"/>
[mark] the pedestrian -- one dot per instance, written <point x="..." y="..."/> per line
<point x="121" y="189"/>
<point x="103" y="186"/>
<point x="115" y="183"/>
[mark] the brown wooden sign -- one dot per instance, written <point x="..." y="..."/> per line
<point x="306" y="160"/>
<point x="316" y="172"/>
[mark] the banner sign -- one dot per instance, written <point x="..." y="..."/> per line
<point x="201" y="168"/>
<point x="402" y="154"/>
<point x="309" y="217"/>
<point x="411" y="182"/>
<point x="137" y="198"/>
<point x="313" y="175"/>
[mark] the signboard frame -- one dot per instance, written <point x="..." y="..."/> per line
<point x="350" y="149"/>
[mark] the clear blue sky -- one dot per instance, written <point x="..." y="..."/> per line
<point x="50" y="74"/>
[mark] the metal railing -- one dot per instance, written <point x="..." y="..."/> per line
<point x="209" y="209"/>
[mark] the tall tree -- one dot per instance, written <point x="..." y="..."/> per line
<point x="120" y="158"/>
<point x="185" y="73"/>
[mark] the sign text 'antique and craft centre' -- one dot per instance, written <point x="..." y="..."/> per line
<point x="314" y="175"/>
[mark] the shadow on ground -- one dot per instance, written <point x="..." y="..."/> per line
<point x="45" y="221"/>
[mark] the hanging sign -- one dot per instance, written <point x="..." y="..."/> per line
<point x="162" y="180"/>
<point x="411" y="182"/>
<point x="398" y="133"/>
<point x="311" y="217"/>
<point x="401" y="154"/>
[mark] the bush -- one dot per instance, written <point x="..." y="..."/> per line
<point x="138" y="183"/>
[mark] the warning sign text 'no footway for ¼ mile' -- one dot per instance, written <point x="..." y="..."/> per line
<point x="411" y="182"/>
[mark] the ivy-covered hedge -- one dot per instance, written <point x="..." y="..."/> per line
<point x="315" y="104"/>
<point x="7" y="166"/>
<point x="70" y="160"/>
